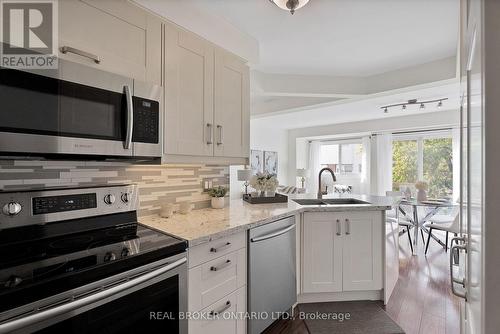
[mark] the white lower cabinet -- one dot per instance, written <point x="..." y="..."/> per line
<point x="213" y="280"/>
<point x="322" y="259"/>
<point x="223" y="317"/>
<point x="217" y="279"/>
<point x="342" y="251"/>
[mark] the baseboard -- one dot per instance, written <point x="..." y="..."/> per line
<point x="339" y="296"/>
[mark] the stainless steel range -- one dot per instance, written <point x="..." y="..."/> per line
<point x="77" y="261"/>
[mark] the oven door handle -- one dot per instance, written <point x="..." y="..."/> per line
<point x="79" y="303"/>
<point x="130" y="118"/>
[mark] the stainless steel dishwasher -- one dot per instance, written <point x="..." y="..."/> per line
<point x="271" y="272"/>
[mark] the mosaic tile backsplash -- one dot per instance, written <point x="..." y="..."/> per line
<point x="158" y="184"/>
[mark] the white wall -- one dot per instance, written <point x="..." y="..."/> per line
<point x="267" y="137"/>
<point x="264" y="137"/>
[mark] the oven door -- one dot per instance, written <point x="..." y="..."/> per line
<point x="72" y="110"/>
<point x="144" y="300"/>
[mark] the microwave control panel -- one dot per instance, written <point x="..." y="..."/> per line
<point x="146" y="121"/>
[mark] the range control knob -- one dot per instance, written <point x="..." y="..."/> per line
<point x="12" y="209"/>
<point x="125" y="197"/>
<point x="125" y="252"/>
<point x="13" y="281"/>
<point x="109" y="256"/>
<point x="109" y="199"/>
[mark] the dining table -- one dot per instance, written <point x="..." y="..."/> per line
<point x="432" y="207"/>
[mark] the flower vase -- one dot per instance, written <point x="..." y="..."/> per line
<point x="421" y="195"/>
<point x="270" y="193"/>
<point x="217" y="202"/>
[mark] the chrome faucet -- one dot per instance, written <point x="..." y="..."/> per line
<point x="320" y="193"/>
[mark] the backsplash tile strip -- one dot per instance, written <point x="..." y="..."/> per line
<point x="158" y="184"/>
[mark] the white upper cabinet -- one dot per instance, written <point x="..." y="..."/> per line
<point x="206" y="98"/>
<point x="115" y="32"/>
<point x="207" y="108"/>
<point x="232" y="106"/>
<point x="189" y="93"/>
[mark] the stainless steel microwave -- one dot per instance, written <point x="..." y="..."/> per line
<point x="78" y="110"/>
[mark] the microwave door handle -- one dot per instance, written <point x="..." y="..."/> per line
<point x="130" y="118"/>
<point x="29" y="320"/>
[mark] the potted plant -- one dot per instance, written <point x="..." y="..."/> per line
<point x="422" y="188"/>
<point x="217" y="194"/>
<point x="265" y="184"/>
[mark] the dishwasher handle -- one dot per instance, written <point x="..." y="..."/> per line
<point x="273" y="235"/>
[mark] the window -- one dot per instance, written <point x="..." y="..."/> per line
<point x="345" y="158"/>
<point x="427" y="157"/>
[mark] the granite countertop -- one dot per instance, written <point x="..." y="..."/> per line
<point x="200" y="226"/>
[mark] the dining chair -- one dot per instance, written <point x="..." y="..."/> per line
<point x="393" y="215"/>
<point x="447" y="223"/>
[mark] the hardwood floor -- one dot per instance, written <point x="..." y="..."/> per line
<point x="421" y="303"/>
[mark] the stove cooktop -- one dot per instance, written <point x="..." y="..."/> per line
<point x="59" y="258"/>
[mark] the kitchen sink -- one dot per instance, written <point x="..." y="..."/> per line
<point x="343" y="201"/>
<point x="309" y="201"/>
<point x="330" y="201"/>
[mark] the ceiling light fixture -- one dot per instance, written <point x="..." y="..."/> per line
<point x="422" y="104"/>
<point x="290" y="5"/>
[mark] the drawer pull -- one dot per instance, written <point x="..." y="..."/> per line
<point x="66" y="49"/>
<point x="215" y="250"/>
<point x="222" y="266"/>
<point x="227" y="306"/>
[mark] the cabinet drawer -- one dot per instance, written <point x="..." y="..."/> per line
<point x="215" y="279"/>
<point x="216" y="248"/>
<point x="235" y="304"/>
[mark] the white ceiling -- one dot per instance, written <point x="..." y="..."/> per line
<point x="344" y="37"/>
<point x="365" y="108"/>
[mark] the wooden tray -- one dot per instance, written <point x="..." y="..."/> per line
<point x="278" y="198"/>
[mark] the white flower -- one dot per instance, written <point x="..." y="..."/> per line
<point x="264" y="182"/>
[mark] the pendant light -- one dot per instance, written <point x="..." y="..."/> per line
<point x="290" y="5"/>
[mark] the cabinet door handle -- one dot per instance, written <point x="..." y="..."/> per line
<point x="215" y="250"/>
<point x="224" y="308"/>
<point x="347" y="226"/>
<point x="210" y="134"/>
<point x="221" y="135"/>
<point x="222" y="266"/>
<point x="95" y="58"/>
<point x="339" y="228"/>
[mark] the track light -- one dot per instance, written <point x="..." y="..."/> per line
<point x="412" y="102"/>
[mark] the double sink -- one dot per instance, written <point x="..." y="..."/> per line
<point x="330" y="201"/>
